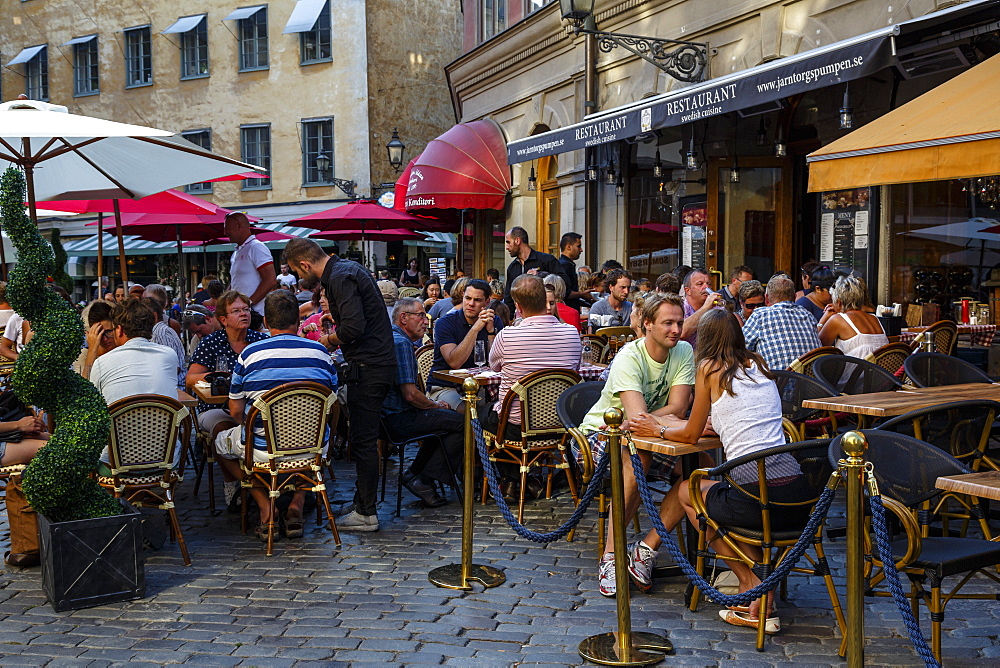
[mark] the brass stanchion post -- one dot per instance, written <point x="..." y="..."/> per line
<point x="624" y="647"/>
<point x="855" y="444"/>
<point x="458" y="576"/>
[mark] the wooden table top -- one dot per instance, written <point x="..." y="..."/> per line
<point x="985" y="485"/>
<point x="674" y="448"/>
<point x="205" y="394"/>
<point x="890" y="404"/>
<point x="186" y="399"/>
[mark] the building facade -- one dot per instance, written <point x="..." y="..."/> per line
<point x="311" y="90"/>
<point x="718" y="177"/>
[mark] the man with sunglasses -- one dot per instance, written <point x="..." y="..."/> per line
<point x="782" y="331"/>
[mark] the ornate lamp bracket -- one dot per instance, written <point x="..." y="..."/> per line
<point x="684" y="61"/>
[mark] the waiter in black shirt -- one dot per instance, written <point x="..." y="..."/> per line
<point x="526" y="261"/>
<point x="571" y="248"/>
<point x="365" y="337"/>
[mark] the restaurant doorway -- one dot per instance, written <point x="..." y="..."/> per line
<point x="749" y="217"/>
<point x="548" y="206"/>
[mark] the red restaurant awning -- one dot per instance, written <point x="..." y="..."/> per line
<point x="465" y="168"/>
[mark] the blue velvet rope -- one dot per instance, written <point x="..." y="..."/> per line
<point x="492" y="479"/>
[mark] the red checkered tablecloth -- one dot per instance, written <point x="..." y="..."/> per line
<point x="979" y="335"/>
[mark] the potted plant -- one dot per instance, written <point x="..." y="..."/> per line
<point x="91" y="543"/>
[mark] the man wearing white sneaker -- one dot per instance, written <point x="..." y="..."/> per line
<point x="652" y="376"/>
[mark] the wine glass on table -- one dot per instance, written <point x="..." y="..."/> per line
<point x="480" y="355"/>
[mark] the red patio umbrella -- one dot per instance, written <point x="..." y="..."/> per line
<point x="238" y="177"/>
<point x="168" y="201"/>
<point x="364" y="215"/>
<point x="382" y="235"/>
<point x="261" y="233"/>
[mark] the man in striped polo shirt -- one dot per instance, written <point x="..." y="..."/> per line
<point x="541" y="341"/>
<point x="282" y="358"/>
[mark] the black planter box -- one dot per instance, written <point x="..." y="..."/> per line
<point x="92" y="562"/>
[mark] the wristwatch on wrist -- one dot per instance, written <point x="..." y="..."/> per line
<point x="662" y="429"/>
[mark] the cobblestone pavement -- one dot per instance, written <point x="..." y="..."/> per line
<point x="370" y="603"/>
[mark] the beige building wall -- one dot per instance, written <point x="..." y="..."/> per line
<point x="368" y="50"/>
<point x="532" y="74"/>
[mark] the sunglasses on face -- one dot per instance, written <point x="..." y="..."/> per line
<point x="752" y="306"/>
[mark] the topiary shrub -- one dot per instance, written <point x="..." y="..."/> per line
<point x="57" y="482"/>
<point x="59" y="275"/>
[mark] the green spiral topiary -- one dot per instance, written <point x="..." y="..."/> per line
<point x="59" y="275"/>
<point x="57" y="482"/>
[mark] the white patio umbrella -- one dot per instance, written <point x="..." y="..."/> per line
<point x="68" y="156"/>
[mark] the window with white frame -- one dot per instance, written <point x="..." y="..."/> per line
<point x="202" y="138"/>
<point x="494" y="17"/>
<point x="531" y="6"/>
<point x="253" y="41"/>
<point x="36" y="75"/>
<point x="85" y="76"/>
<point x="255" y="145"/>
<point x="138" y="57"/>
<point x="315" y="44"/>
<point x="194" y="51"/>
<point x="317" y="151"/>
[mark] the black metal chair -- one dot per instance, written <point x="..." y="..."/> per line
<point x="934" y="369"/>
<point x="851" y="375"/>
<point x="781" y="522"/>
<point x="398" y="446"/>
<point x="572" y="406"/>
<point x="906" y="469"/>
<point x="960" y="428"/>
<point x="795" y="388"/>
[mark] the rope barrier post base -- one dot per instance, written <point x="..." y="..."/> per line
<point x="458" y="576"/>
<point x="855" y="444"/>
<point x="624" y="647"/>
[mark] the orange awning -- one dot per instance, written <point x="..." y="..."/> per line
<point x="950" y="132"/>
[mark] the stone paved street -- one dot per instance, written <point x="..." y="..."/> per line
<point x="370" y="603"/>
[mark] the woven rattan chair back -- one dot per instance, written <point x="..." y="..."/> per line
<point x="294" y="416"/>
<point x="425" y="359"/>
<point x="934" y="369"/>
<point x="945" y="334"/>
<point x="891" y="357"/>
<point x="539" y="393"/>
<point x="852" y="375"/>
<point x="598" y="346"/>
<point x="960" y="428"/>
<point x="572" y="407"/>
<point x="409" y="292"/>
<point x="144" y="432"/>
<point x="804" y="364"/>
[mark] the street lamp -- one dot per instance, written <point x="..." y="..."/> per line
<point x="395" y="148"/>
<point x="684" y="61"/>
<point x="324" y="165"/>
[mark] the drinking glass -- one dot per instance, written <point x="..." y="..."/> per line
<point x="480" y="357"/>
<point x="222" y="364"/>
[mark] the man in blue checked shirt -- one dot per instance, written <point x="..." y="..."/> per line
<point x="782" y="331"/>
<point x="282" y="358"/>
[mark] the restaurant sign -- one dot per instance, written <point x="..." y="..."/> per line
<point x="758" y="85"/>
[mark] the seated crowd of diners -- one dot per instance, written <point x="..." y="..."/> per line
<point x="700" y="363"/>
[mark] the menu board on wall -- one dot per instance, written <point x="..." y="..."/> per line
<point x="438" y="267"/>
<point x="694" y="216"/>
<point x="844" y="229"/>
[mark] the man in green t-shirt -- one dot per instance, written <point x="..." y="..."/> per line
<point x="653" y="375"/>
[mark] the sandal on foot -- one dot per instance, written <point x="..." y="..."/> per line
<point x="737" y="618"/>
<point x="261" y="531"/>
<point x="294" y="526"/>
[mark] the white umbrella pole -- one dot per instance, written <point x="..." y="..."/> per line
<point x="100" y="256"/>
<point x="181" y="277"/>
<point x="121" y="245"/>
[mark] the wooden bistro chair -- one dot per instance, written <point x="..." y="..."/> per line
<point x="425" y="359"/>
<point x="616" y="338"/>
<point x="804" y="364"/>
<point x="409" y="292"/>
<point x="945" y="337"/>
<point x="144" y="431"/>
<point x="544" y="441"/>
<point x="748" y="474"/>
<point x="598" y="346"/>
<point x="295" y="419"/>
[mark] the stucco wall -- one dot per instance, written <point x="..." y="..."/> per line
<point x="282" y="95"/>
<point x="409" y="44"/>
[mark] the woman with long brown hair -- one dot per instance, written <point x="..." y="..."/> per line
<point x="735" y="386"/>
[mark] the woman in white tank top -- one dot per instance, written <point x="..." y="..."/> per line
<point x="735" y="385"/>
<point x="853" y="331"/>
